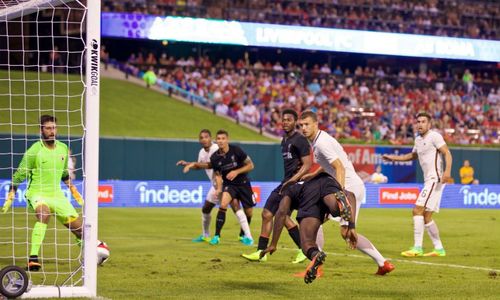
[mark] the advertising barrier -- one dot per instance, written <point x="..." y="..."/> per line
<point x="126" y="25"/>
<point x="192" y="194"/>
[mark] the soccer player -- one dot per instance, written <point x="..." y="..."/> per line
<point x="233" y="164"/>
<point x="45" y="164"/>
<point x="295" y="150"/>
<point x="314" y="199"/>
<point x="429" y="149"/>
<point x="212" y="199"/>
<point x="333" y="160"/>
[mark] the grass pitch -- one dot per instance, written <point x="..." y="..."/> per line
<point x="152" y="257"/>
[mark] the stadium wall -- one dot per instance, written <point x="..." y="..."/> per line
<point x="142" y="159"/>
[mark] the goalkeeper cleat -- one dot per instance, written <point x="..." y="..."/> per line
<point x="200" y="239"/>
<point x="344" y="206"/>
<point x="255" y="256"/>
<point x="215" y="240"/>
<point x="413" y="252"/>
<point x="299" y="258"/>
<point x="312" y="268"/>
<point x="247" y="241"/>
<point x="386" y="268"/>
<point x="436" y="252"/>
<point x="33" y="264"/>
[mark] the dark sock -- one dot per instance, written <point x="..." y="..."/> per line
<point x="249" y="219"/>
<point x="263" y="241"/>
<point x="295" y="235"/>
<point x="221" y="219"/>
<point x="33" y="258"/>
<point x="311" y="252"/>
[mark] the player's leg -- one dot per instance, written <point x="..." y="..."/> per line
<point x="294" y="232"/>
<point x="241" y="215"/>
<point x="206" y="216"/>
<point x="418" y="220"/>
<point x="42" y="213"/>
<point x="308" y="230"/>
<point x="76" y="227"/>
<point x="249" y="214"/>
<point x="432" y="229"/>
<point x="221" y="216"/>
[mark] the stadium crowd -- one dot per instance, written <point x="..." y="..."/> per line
<point x="457" y="18"/>
<point x="370" y="104"/>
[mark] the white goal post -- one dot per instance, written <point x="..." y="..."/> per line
<point x="16" y="11"/>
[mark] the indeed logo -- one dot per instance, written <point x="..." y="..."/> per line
<point x="484" y="198"/>
<point x="168" y="195"/>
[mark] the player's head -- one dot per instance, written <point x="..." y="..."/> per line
<point x="423" y="122"/>
<point x="48" y="128"/>
<point x="289" y="118"/>
<point x="309" y="124"/>
<point x="466" y="163"/>
<point x="222" y="139"/>
<point x="205" y="138"/>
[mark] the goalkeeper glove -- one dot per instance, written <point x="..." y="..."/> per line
<point x="76" y="195"/>
<point x="8" y="201"/>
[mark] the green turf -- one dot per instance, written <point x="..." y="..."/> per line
<point x="126" y="109"/>
<point x="152" y="257"/>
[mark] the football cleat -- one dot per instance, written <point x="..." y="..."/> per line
<point x="303" y="273"/>
<point x="255" y="256"/>
<point x="215" y="240"/>
<point x="200" y="239"/>
<point x="247" y="241"/>
<point x="413" y="252"/>
<point x="344" y="206"/>
<point x="312" y="268"/>
<point x="299" y="258"/>
<point x="436" y="252"/>
<point x="386" y="268"/>
<point x="33" y="264"/>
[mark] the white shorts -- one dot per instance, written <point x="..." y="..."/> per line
<point x="212" y="196"/>
<point x="430" y="196"/>
<point x="359" y="192"/>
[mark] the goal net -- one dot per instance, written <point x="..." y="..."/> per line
<point x="49" y="65"/>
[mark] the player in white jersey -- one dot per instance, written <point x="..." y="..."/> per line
<point x="429" y="148"/>
<point x="213" y="195"/>
<point x="332" y="158"/>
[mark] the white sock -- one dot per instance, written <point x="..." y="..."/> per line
<point x="433" y="232"/>
<point x="242" y="218"/>
<point x="205" y="223"/>
<point x="418" y="230"/>
<point x="365" y="246"/>
<point x="320" y="238"/>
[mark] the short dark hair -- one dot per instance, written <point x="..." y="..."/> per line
<point x="222" y="131"/>
<point x="309" y="114"/>
<point x="207" y="131"/>
<point x="47" y="118"/>
<point x="290" y="111"/>
<point x="424" y="114"/>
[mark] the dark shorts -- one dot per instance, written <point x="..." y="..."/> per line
<point x="273" y="201"/>
<point x="242" y="192"/>
<point x="311" y="199"/>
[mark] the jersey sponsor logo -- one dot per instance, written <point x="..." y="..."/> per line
<point x="168" y="194"/>
<point x="480" y="198"/>
<point x="389" y="195"/>
<point x="105" y="194"/>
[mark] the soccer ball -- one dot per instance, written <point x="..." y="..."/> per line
<point x="102" y="252"/>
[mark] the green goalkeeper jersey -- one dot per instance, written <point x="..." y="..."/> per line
<point x="44" y="168"/>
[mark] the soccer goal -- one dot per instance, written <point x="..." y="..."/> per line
<point x="49" y="65"/>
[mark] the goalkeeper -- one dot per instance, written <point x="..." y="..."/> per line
<point x="44" y="165"/>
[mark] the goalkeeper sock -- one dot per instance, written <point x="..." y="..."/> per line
<point x="219" y="222"/>
<point x="37" y="237"/>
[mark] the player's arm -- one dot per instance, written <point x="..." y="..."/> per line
<point x="351" y="236"/>
<point x="306" y="165"/>
<point x="339" y="171"/>
<point x="218" y="184"/>
<point x="74" y="191"/>
<point x="403" y="157"/>
<point x="24" y="168"/>
<point x="448" y="160"/>
<point x="311" y="175"/>
<point x="279" y="223"/>
<point x="197" y="166"/>
<point x="247" y="167"/>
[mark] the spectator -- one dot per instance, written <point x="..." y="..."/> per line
<point x="378" y="177"/>
<point x="466" y="173"/>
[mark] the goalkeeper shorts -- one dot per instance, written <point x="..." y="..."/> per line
<point x="58" y="205"/>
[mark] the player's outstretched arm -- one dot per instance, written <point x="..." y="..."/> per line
<point x="196" y="166"/>
<point x="448" y="160"/>
<point x="404" y="157"/>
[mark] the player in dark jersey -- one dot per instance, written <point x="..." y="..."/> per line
<point x="295" y="150"/>
<point x="314" y="200"/>
<point x="233" y="164"/>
